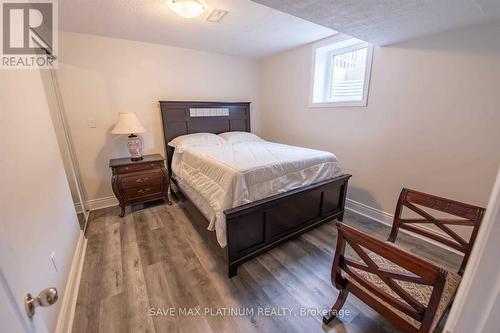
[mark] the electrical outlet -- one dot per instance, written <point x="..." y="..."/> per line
<point x="53" y="260"/>
<point x="91" y="123"/>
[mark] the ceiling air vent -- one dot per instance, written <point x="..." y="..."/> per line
<point x="216" y="15"/>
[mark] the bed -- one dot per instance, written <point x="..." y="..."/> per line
<point x="254" y="194"/>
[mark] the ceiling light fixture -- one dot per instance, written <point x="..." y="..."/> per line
<point x="188" y="8"/>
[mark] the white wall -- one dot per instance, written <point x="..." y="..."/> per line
<point x="100" y="77"/>
<point x="432" y="121"/>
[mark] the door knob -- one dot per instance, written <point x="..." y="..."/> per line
<point x="46" y="297"/>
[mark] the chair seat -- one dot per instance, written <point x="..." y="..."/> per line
<point x="420" y="292"/>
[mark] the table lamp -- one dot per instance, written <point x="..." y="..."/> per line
<point x="128" y="123"/>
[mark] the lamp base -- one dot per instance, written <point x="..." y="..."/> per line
<point x="135" y="147"/>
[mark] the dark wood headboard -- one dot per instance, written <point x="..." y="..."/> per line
<point x="177" y="120"/>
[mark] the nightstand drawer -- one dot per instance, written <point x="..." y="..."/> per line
<point x="138" y="167"/>
<point x="141" y="179"/>
<point x="143" y="191"/>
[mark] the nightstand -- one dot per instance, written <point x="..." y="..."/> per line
<point x="139" y="181"/>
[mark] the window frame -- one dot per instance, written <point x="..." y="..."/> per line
<point x="366" y="85"/>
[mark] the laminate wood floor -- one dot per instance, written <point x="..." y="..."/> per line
<point x="143" y="270"/>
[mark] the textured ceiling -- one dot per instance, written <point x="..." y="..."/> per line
<point x="249" y="29"/>
<point x="384" y="22"/>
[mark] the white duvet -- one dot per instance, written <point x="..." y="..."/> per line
<point x="219" y="177"/>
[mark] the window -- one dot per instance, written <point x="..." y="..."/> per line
<point x="341" y="72"/>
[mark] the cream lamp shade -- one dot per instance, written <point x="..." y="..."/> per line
<point x="128" y="123"/>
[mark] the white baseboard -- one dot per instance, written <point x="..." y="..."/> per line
<point x="68" y="304"/>
<point x="351" y="205"/>
<point x="99" y="203"/>
<point x="78" y="208"/>
<point x="369" y="212"/>
<point x="386" y="218"/>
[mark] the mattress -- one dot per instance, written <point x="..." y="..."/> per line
<point x="220" y="177"/>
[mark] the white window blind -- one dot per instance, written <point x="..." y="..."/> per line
<point x="347" y="76"/>
<point x="341" y="72"/>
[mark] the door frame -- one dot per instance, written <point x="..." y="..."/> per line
<point x="66" y="142"/>
<point x="72" y="288"/>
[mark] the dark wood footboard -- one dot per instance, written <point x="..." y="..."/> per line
<point x="258" y="226"/>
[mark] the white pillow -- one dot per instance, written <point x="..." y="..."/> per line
<point x="235" y="137"/>
<point x="196" y="139"/>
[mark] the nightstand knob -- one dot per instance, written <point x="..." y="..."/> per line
<point x="141" y="180"/>
<point x="142" y="191"/>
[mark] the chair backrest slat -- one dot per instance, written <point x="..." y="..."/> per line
<point x="470" y="216"/>
<point x="452" y="207"/>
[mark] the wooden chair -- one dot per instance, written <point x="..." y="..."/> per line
<point x="408" y="290"/>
